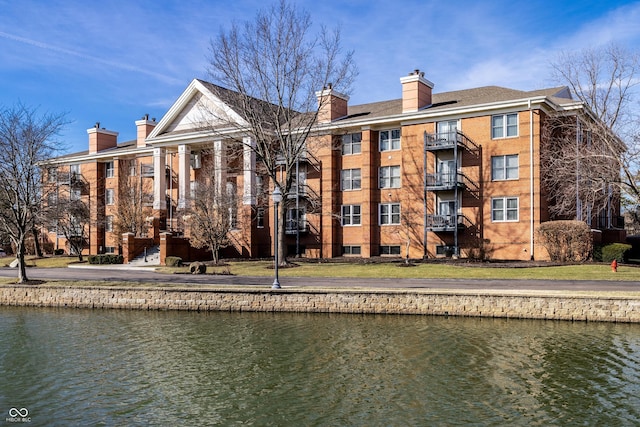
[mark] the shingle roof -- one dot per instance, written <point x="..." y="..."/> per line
<point x="457" y="99"/>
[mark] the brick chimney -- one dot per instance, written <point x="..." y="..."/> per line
<point x="145" y="127"/>
<point x="101" y="139"/>
<point x="332" y="104"/>
<point x="416" y="92"/>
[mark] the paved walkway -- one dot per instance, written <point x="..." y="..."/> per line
<point x="143" y="274"/>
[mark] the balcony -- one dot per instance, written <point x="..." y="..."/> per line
<point x="444" y="181"/>
<point x="146" y="171"/>
<point x="444" y="222"/>
<point x="447" y="141"/>
<point x="604" y="222"/>
<point x="293" y="227"/>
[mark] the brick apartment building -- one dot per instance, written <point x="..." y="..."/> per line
<point x="434" y="174"/>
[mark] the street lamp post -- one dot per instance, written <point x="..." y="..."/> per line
<point x="276" y="197"/>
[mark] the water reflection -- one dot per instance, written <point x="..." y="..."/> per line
<point x="159" y="368"/>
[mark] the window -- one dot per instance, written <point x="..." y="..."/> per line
<point x="233" y="206"/>
<point x="74" y="169"/>
<point x="389" y="213"/>
<point x="390" y="177"/>
<point x="108" y="196"/>
<point x="108" y="167"/>
<point x="133" y="168"/>
<point x="108" y="223"/>
<point x="504" y="209"/>
<point x="504" y="126"/>
<point x="295" y="220"/>
<point x="259" y="185"/>
<point x="74" y="194"/>
<point x="447" y="131"/>
<point x="299" y="180"/>
<point x="350" y="179"/>
<point x="52" y="199"/>
<point x="351" y="143"/>
<point x="52" y="174"/>
<point x="504" y="167"/>
<point x="390" y="140"/>
<point x="351" y="250"/>
<point x="109" y="250"/>
<point x="389" y="250"/>
<point x="260" y="218"/>
<point x="193" y="189"/>
<point x="351" y="215"/>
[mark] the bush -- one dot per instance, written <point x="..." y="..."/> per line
<point x="566" y="241"/>
<point x="597" y="253"/>
<point x="173" y="261"/>
<point x="106" y="259"/>
<point x="618" y="251"/>
<point x="58" y="252"/>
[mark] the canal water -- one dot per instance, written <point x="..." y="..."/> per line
<point x="109" y="367"/>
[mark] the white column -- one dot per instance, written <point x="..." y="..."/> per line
<point x="184" y="175"/>
<point x="220" y="166"/>
<point x="249" y="168"/>
<point x="159" y="179"/>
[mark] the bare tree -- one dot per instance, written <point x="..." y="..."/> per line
<point x="133" y="201"/>
<point x="269" y="71"/>
<point x="26" y="139"/>
<point x="212" y="213"/>
<point x="72" y="221"/>
<point x="590" y="159"/>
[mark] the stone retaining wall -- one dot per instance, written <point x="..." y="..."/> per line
<point x="447" y="303"/>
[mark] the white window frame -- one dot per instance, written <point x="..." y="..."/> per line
<point x="109" y="169"/>
<point x="389" y="140"/>
<point x="109" y="196"/>
<point x="501" y="213"/>
<point x="503" y="130"/>
<point x="349" y="146"/>
<point x="108" y="223"/>
<point x="349" y="216"/>
<point x="386" y="214"/>
<point x="389" y="177"/>
<point x="260" y="218"/>
<point x="504" y="169"/>
<point x="349" y="178"/>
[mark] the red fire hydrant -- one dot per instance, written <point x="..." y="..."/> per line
<point x="614" y="266"/>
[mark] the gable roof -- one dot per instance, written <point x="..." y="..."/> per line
<point x="457" y="99"/>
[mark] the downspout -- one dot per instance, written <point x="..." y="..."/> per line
<point x="531" y="186"/>
<point x="424" y="194"/>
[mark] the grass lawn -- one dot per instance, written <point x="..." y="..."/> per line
<point x="46" y="262"/>
<point x="389" y="270"/>
<point x="428" y="270"/>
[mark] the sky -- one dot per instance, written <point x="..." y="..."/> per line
<point x="114" y="61"/>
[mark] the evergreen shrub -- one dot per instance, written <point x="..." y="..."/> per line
<point x="618" y="251"/>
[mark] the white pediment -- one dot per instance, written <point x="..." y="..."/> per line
<point x="196" y="110"/>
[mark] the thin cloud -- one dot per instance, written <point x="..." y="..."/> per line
<point x="95" y="59"/>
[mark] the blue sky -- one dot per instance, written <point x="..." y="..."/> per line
<point x="114" y="61"/>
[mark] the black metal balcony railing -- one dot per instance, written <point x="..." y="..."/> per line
<point x="443" y="140"/>
<point x="292" y="226"/>
<point x="444" y="181"/>
<point x="147" y="170"/>
<point x="444" y="222"/>
<point x="447" y="140"/>
<point x="605" y="222"/>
